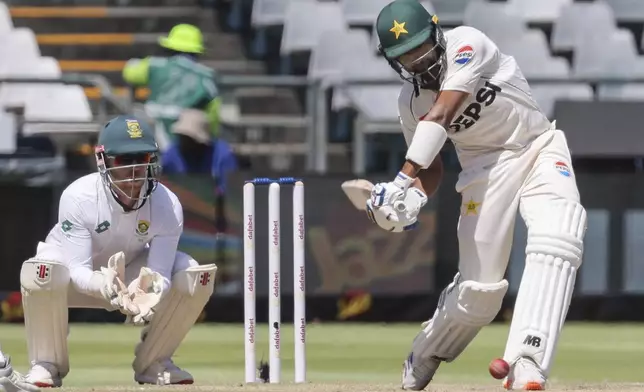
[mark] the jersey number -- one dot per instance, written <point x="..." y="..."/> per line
<point x="472" y="113"/>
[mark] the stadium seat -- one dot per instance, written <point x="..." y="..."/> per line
<point x="58" y="103"/>
<point x="269" y="12"/>
<point x="306" y="20"/>
<point x="627" y="10"/>
<point x="580" y="20"/>
<point x="538" y="11"/>
<point x="450" y="12"/>
<point x="611" y="56"/>
<point x="374" y="39"/>
<point x="376" y="103"/>
<point x="21" y="58"/>
<point x="6" y="24"/>
<point x="621" y="92"/>
<point x="494" y="19"/>
<point x="531" y="52"/>
<point x="43" y="102"/>
<point x="334" y="48"/>
<point x="8" y="138"/>
<point x="18" y="94"/>
<point x="362" y="12"/>
<point x="18" y="45"/>
<point x="547" y="94"/>
<point x="372" y="68"/>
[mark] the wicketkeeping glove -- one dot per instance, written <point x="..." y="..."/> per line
<point x="145" y="293"/>
<point x="113" y="289"/>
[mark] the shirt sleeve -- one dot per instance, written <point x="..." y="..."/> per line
<point x="469" y="55"/>
<point x="163" y="248"/>
<point x="137" y="71"/>
<point x="76" y="244"/>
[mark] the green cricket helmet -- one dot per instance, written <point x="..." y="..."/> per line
<point x="412" y="42"/>
<point x="127" y="159"/>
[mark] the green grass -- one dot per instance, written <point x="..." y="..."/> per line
<point x="101" y="355"/>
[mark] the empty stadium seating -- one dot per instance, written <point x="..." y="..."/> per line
<point x="568" y="49"/>
<point x="551" y="40"/>
<point x="41" y="102"/>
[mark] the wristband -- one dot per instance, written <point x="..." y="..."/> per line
<point x="427" y="142"/>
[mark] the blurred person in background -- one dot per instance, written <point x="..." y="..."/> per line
<point x="176" y="82"/>
<point x="185" y="102"/>
<point x="197" y="152"/>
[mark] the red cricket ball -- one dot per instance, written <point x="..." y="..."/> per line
<point x="499" y="369"/>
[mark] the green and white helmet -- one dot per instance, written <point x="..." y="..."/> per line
<point x="127" y="159"/>
<point x="412" y="42"/>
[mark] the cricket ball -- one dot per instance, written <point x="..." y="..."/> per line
<point x="499" y="369"/>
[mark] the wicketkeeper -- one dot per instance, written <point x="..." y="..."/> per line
<point x="115" y="247"/>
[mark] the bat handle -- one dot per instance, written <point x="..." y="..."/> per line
<point x="400" y="206"/>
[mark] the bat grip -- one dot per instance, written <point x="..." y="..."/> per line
<point x="400" y="206"/>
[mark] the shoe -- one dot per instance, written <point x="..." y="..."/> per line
<point x="164" y="372"/>
<point x="417" y="375"/>
<point x="525" y="375"/>
<point x="44" y="375"/>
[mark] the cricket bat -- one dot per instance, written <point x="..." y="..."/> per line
<point x="358" y="191"/>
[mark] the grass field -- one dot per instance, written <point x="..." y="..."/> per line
<point x="353" y="357"/>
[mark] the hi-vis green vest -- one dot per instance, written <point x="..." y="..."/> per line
<point x="175" y="83"/>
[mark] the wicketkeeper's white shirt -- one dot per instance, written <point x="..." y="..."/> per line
<point x="92" y="227"/>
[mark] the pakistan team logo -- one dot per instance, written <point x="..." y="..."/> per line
<point x="142" y="227"/>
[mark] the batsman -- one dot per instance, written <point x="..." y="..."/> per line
<point x="461" y="87"/>
<point x="114" y="247"/>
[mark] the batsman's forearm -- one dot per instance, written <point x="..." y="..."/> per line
<point x="411" y="168"/>
<point x="429" y="179"/>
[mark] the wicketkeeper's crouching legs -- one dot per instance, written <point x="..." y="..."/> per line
<point x="47" y="294"/>
<point x="192" y="286"/>
<point x="44" y="300"/>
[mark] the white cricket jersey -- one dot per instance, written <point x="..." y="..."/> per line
<point x="500" y="113"/>
<point x="92" y="227"/>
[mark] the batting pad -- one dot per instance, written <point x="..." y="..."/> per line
<point x="552" y="260"/>
<point x="463" y="309"/>
<point x="44" y="286"/>
<point x="175" y="315"/>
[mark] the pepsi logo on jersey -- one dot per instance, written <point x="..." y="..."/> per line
<point x="464" y="55"/>
<point x="484" y="97"/>
<point x="562" y="168"/>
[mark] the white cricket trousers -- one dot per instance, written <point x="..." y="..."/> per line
<point x="528" y="180"/>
